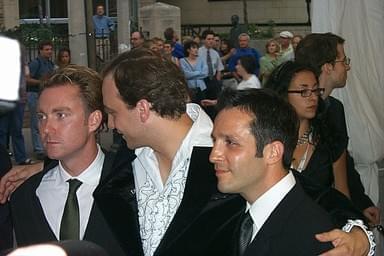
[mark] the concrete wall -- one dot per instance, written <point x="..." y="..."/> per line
<point x="259" y="11"/>
<point x="9" y="13"/>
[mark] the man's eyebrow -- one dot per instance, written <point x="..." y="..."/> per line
<point x="59" y="109"/>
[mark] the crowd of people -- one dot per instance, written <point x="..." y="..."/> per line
<point x="224" y="151"/>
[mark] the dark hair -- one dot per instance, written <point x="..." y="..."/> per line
<point x="141" y="74"/>
<point x="188" y="45"/>
<point x="249" y="63"/>
<point x="282" y="75"/>
<point x="273" y="118"/>
<point x="318" y="49"/>
<point x="141" y="34"/>
<point x="87" y="80"/>
<point x="168" y="33"/>
<point x="60" y="52"/>
<point x="279" y="82"/>
<point x="206" y="33"/>
<point x="45" y="43"/>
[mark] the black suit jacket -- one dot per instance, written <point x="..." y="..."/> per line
<point x="203" y="224"/>
<point x="31" y="226"/>
<point x="291" y="228"/>
<point x="6" y="236"/>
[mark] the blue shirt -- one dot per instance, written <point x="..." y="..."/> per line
<point x="103" y="25"/>
<point x="39" y="68"/>
<point x="178" y="51"/>
<point x="244" y="52"/>
<point x="195" y="74"/>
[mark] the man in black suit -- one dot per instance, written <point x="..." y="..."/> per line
<point x="70" y="115"/>
<point x="252" y="155"/>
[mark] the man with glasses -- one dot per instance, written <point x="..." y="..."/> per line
<point x="325" y="53"/>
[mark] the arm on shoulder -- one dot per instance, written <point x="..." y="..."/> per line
<point x="15" y="177"/>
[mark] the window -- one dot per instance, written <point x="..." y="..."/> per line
<point x="29" y="9"/>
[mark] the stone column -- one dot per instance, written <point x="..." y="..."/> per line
<point x="123" y="24"/>
<point x="76" y="30"/>
<point x="11" y="13"/>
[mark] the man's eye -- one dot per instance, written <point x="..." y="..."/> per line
<point x="40" y="116"/>
<point x="61" y="115"/>
<point x="230" y="142"/>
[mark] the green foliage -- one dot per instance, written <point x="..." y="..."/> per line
<point x="258" y="32"/>
<point x="32" y="34"/>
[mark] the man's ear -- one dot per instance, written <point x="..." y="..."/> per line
<point x="144" y="108"/>
<point x="273" y="152"/>
<point x="327" y="68"/>
<point x="94" y="120"/>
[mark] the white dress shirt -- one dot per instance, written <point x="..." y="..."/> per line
<point x="53" y="191"/>
<point x="158" y="202"/>
<point x="217" y="64"/>
<point x="265" y="204"/>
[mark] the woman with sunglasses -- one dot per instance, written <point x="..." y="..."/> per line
<point x="312" y="157"/>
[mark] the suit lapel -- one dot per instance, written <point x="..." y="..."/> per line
<point x="35" y="205"/>
<point x="116" y="199"/>
<point x="275" y="222"/>
<point x="199" y="188"/>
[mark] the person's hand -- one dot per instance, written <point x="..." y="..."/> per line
<point x="354" y="243"/>
<point x="207" y="102"/>
<point x="372" y="214"/>
<point x="15" y="177"/>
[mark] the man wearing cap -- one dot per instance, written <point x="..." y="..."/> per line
<point x="286" y="49"/>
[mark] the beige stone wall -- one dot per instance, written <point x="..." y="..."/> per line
<point x="1" y="13"/>
<point x="259" y="11"/>
<point x="9" y="13"/>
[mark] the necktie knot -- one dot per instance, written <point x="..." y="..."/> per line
<point x="74" y="185"/>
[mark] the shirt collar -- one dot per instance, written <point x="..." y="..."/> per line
<point x="266" y="203"/>
<point x="199" y="135"/>
<point x="91" y="175"/>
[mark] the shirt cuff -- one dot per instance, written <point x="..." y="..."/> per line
<point x="359" y="223"/>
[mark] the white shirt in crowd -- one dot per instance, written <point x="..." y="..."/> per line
<point x="252" y="82"/>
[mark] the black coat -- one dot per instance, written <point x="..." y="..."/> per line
<point x="32" y="227"/>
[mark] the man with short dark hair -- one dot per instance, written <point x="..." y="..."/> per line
<point x="325" y="53"/>
<point x="213" y="61"/>
<point x="178" y="49"/>
<point x="40" y="69"/>
<point x="252" y="155"/>
<point x="137" y="39"/>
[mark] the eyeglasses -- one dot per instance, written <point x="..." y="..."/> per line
<point x="346" y="60"/>
<point x="308" y="92"/>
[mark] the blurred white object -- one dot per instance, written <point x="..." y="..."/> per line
<point x="9" y="69"/>
<point x="39" y="250"/>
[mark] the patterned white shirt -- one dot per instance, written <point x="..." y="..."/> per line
<point x="158" y="202"/>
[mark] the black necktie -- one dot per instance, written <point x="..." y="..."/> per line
<point x="246" y="229"/>
<point x="209" y="64"/>
<point x="70" y="222"/>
